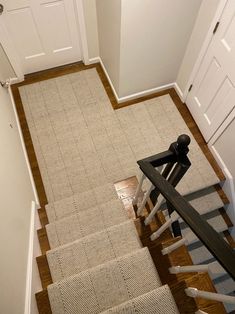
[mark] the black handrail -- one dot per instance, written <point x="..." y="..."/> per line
<point x="214" y="242"/>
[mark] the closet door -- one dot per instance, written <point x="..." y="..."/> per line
<point x="212" y="97"/>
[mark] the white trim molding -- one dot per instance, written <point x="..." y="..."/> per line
<point x="179" y="92"/>
<point x="109" y="79"/>
<point x="146" y="92"/>
<point x="29" y="274"/>
<point x="33" y="282"/>
<point x="82" y="31"/>
<point x="94" y="60"/>
<point x="135" y="95"/>
<point x="36" y="199"/>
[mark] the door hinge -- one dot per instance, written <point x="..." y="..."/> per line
<point x="190" y="87"/>
<point x="216" y="27"/>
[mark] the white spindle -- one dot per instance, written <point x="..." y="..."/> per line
<point x="212" y="268"/>
<point x="137" y="193"/>
<point x="144" y="201"/>
<point x="174" y="246"/>
<point x="173" y="218"/>
<point x="146" y="195"/>
<point x="188" y="269"/>
<point x="159" y="203"/>
<point x="195" y="293"/>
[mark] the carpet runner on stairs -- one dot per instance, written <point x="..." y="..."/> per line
<point x="82" y="224"/>
<point x="93" y="250"/>
<point x="80" y="202"/>
<point x="102" y="287"/>
<point x="158" y="301"/>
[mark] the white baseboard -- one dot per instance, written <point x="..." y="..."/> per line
<point x="228" y="185"/>
<point x="146" y="92"/>
<point x="15" y="80"/>
<point x="109" y="79"/>
<point x="135" y="95"/>
<point x="33" y="283"/>
<point x="179" y="92"/>
<point x="94" y="60"/>
<point x="36" y="199"/>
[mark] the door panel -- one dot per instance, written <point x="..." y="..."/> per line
<point x="28" y="42"/>
<point x="210" y="100"/>
<point x="43" y="32"/>
<point x="59" y="26"/>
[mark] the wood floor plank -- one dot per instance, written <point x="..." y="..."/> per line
<point x="43" y="240"/>
<point x="44" y="271"/>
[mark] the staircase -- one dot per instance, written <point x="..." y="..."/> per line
<point x="98" y="260"/>
<point x="82" y="147"/>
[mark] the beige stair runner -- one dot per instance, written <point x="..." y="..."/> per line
<point x="105" y="286"/>
<point x="93" y="250"/>
<point x="80" y="202"/>
<point x="82" y="224"/>
<point x="158" y="301"/>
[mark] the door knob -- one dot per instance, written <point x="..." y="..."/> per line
<point x="1" y="8"/>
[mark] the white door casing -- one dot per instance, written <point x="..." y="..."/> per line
<point x="212" y="97"/>
<point x="44" y="33"/>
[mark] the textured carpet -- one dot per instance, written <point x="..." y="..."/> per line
<point x="153" y="302"/>
<point x="93" y="250"/>
<point x="102" y="287"/>
<point x="82" y="143"/>
<point x="79" y="225"/>
<point x="80" y="202"/>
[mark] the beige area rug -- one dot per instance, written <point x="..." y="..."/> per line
<point x="81" y="142"/>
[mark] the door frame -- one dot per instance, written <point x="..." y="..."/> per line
<point x="14" y="58"/>
<point x="204" y="48"/>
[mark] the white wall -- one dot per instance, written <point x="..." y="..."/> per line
<point x="90" y="15"/>
<point x="16" y="195"/>
<point x="201" y="27"/>
<point x="153" y="41"/>
<point x="109" y="28"/>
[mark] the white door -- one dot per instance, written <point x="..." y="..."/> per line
<point x="44" y="33"/>
<point x="212" y="97"/>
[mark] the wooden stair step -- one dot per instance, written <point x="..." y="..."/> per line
<point x="43" y="302"/>
<point x="44" y="271"/>
<point x="180" y="256"/>
<point x="43" y="240"/>
<point x="187" y="304"/>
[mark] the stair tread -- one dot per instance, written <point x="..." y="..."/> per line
<point x="80" y="225"/>
<point x="208" y="202"/>
<point x="201" y="254"/>
<point x="93" y="250"/>
<point x="80" y="202"/>
<point x="204" y="203"/>
<point x="153" y="302"/>
<point x="216" y="222"/>
<point x="105" y="286"/>
<point x="226" y="285"/>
